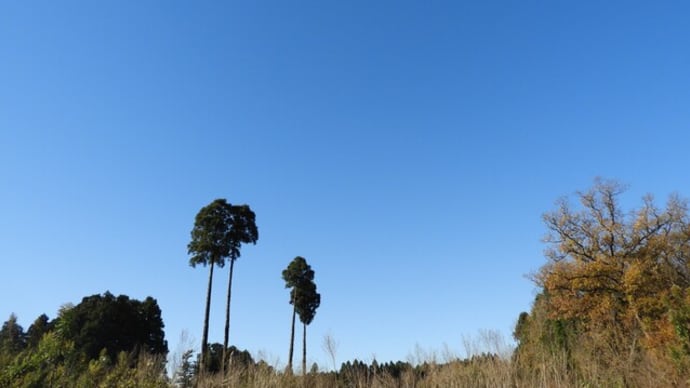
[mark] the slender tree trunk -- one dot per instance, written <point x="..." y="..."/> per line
<point x="204" y="337"/>
<point x="304" y="349"/>
<point x="227" y="319"/>
<point x="292" y="338"/>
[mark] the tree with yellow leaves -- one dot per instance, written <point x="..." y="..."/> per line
<point x="619" y="279"/>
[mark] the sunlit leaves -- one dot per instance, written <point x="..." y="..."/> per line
<point x="619" y="275"/>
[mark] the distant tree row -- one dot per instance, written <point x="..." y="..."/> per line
<point x="612" y="309"/>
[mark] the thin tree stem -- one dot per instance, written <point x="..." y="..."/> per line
<point x="304" y="349"/>
<point x="227" y="318"/>
<point x="292" y="337"/>
<point x="204" y="337"/>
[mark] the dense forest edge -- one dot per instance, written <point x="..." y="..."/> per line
<point x="612" y="308"/>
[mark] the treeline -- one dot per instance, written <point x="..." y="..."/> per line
<point x="129" y="335"/>
<point x="612" y="310"/>
<point x="484" y="370"/>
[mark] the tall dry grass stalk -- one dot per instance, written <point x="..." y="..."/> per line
<point x="489" y="362"/>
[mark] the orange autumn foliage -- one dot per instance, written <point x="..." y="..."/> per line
<point x="616" y="285"/>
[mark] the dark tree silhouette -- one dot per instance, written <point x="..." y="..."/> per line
<point x="297" y="273"/>
<point x="40" y="326"/>
<point x="209" y="247"/>
<point x="243" y="230"/>
<point x="242" y="359"/>
<point x="219" y="230"/>
<point x="12" y="337"/>
<point x="307" y="301"/>
<point x="116" y="324"/>
<point x="299" y="277"/>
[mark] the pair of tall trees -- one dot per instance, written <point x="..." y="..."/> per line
<point x="220" y="228"/>
<point x="299" y="278"/>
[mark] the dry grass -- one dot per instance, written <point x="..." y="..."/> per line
<point x="488" y="362"/>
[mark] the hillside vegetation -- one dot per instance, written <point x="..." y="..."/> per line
<point x="612" y="310"/>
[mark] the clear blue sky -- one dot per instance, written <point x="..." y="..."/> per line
<point x="406" y="149"/>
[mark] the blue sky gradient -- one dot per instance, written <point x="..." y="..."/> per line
<point x="406" y="149"/>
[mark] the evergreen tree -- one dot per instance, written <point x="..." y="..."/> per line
<point x="307" y="301"/>
<point x="243" y="231"/>
<point x="40" y="326"/>
<point x="219" y="230"/>
<point x="185" y="375"/>
<point x="116" y="324"/>
<point x="299" y="277"/>
<point x="234" y="356"/>
<point x="12" y="337"/>
<point x="297" y="273"/>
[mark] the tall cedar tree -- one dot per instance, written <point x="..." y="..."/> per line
<point x="219" y="230"/>
<point x="307" y="301"/>
<point x="12" y="337"/>
<point x="296" y="275"/>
